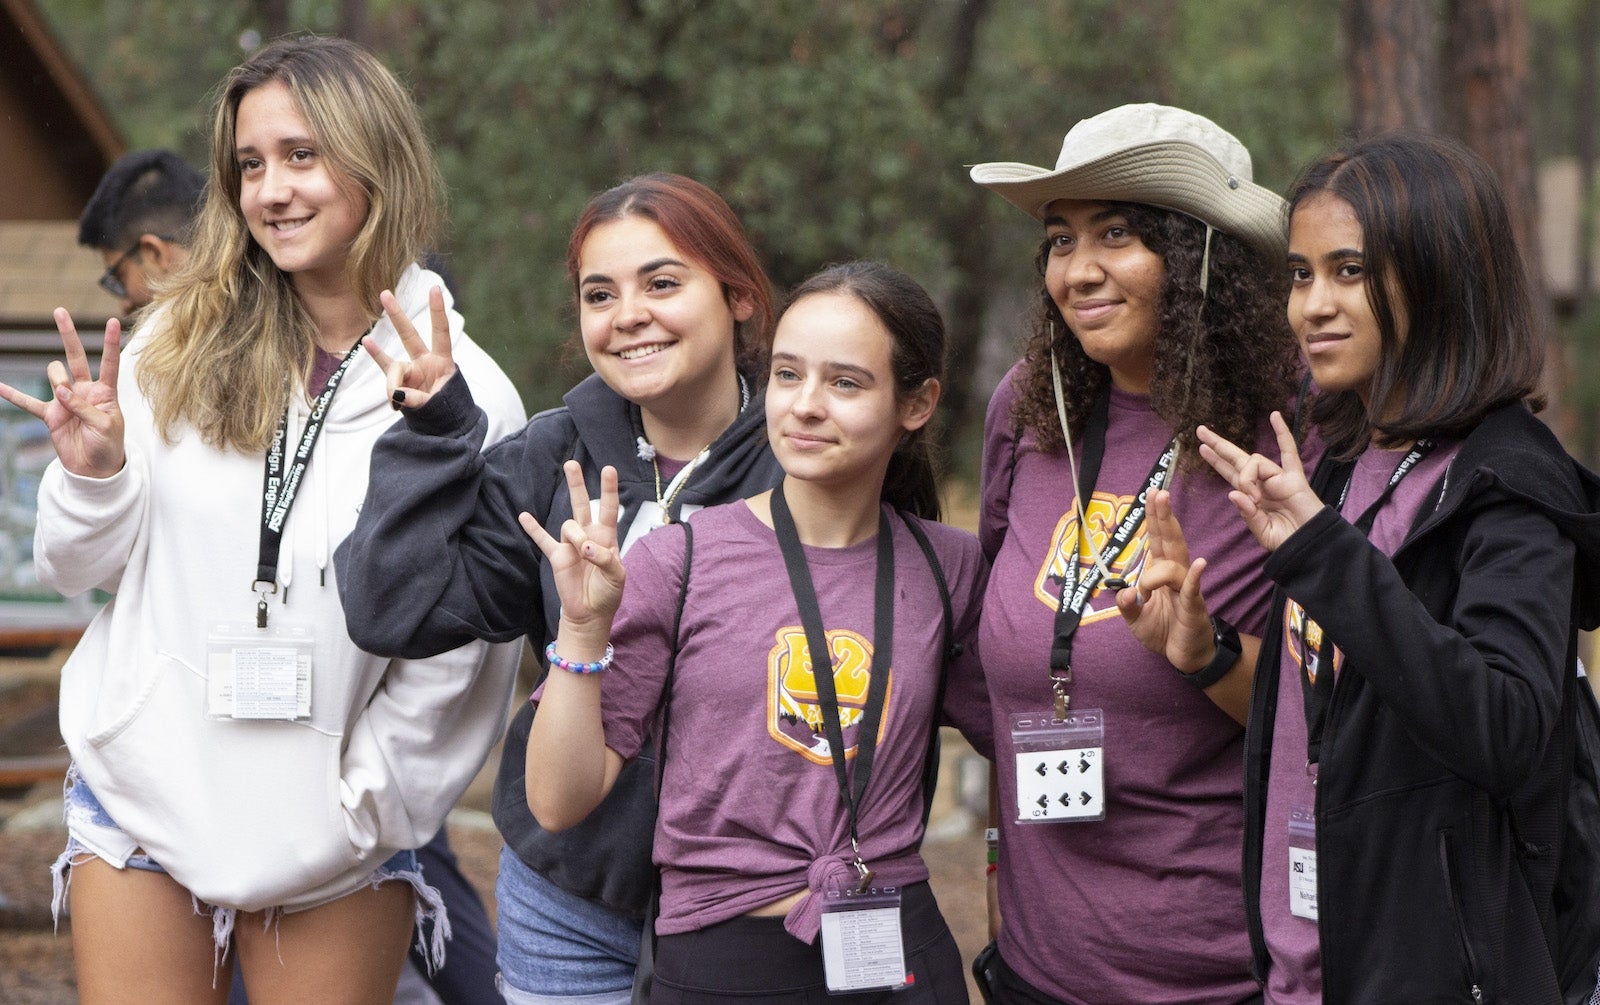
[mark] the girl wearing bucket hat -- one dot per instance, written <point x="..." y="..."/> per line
<point x="1119" y="738"/>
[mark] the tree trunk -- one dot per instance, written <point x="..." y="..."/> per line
<point x="1391" y="65"/>
<point x="1487" y="75"/>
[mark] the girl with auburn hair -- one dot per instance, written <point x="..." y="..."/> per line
<point x="674" y="313"/>
<point x="792" y="802"/>
<point x="1411" y="732"/>
<point x="244" y="778"/>
<point x="1118" y="685"/>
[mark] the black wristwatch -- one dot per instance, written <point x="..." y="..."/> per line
<point x="1226" y="638"/>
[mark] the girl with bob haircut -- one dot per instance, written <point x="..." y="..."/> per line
<point x="244" y="778"/>
<point x="1158" y="310"/>
<point x="1411" y="730"/>
<point x="675" y="314"/>
<point x="791" y="802"/>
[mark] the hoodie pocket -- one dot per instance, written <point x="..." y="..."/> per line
<point x="1447" y="864"/>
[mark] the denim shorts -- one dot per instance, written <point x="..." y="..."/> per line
<point x="91" y="833"/>
<point x="556" y="947"/>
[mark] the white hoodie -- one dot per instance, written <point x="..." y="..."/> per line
<point x="259" y="814"/>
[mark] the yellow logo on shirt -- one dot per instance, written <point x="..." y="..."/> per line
<point x="1310" y="649"/>
<point x="794" y="709"/>
<point x="1102" y="515"/>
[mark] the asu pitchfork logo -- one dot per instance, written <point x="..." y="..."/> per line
<point x="1102" y="515"/>
<point x="794" y="709"/>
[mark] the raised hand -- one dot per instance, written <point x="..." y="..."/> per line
<point x="1274" y="498"/>
<point x="413" y="381"/>
<point x="1165" y="609"/>
<point x="82" y="414"/>
<point x="586" y="562"/>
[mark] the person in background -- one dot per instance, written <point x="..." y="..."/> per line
<point x="675" y="313"/>
<point x="140" y="220"/>
<point x="1161" y="307"/>
<point x="245" y="779"/>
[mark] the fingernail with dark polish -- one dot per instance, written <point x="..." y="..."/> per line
<point x="398" y="397"/>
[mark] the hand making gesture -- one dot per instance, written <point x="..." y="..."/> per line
<point x="413" y="381"/>
<point x="1164" y="608"/>
<point x="586" y="562"/>
<point x="1274" y="499"/>
<point x="82" y="415"/>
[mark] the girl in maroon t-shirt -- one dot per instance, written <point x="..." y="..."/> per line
<point x="791" y="801"/>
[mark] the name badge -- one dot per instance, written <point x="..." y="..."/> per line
<point x="258" y="673"/>
<point x="1303" y="863"/>
<point x="862" y="948"/>
<point x="1060" y="766"/>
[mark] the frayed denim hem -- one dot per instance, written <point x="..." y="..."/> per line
<point x="430" y="906"/>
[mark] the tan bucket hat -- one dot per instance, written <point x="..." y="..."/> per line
<point x="1156" y="155"/>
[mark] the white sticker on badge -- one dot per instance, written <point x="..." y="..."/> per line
<point x="1303" y="863"/>
<point x="862" y="949"/>
<point x="258" y="673"/>
<point x="1060" y="766"/>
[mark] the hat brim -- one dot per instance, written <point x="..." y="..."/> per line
<point x="1171" y="175"/>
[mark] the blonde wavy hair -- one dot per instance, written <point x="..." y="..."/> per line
<point x="237" y="339"/>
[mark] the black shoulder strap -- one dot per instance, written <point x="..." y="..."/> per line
<point x="951" y="650"/>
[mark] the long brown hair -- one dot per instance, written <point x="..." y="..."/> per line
<point x="237" y="337"/>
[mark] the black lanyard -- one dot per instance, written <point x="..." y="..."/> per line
<point x="805" y="596"/>
<point x="281" y="486"/>
<point x="1318" y="657"/>
<point x="1075" y="591"/>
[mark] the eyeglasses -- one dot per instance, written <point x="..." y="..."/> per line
<point x="111" y="279"/>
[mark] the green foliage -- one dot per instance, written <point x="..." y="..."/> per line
<point x="836" y="128"/>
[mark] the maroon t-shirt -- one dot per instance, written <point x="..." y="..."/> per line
<point x="1145" y="905"/>
<point x="750" y="810"/>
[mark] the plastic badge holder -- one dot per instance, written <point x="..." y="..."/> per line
<point x="1303" y="862"/>
<point x="258" y="673"/>
<point x="861" y="940"/>
<point x="1060" y="766"/>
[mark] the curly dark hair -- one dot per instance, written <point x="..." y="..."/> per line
<point x="1224" y="359"/>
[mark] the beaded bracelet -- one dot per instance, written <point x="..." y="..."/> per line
<point x="571" y="667"/>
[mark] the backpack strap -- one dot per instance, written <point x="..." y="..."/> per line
<point x="951" y="651"/>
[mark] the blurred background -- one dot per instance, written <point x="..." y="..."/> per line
<point x="842" y="128"/>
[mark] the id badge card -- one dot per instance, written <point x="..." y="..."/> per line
<point x="1303" y="862"/>
<point x="258" y="673"/>
<point x="862" y="948"/>
<point x="1060" y="766"/>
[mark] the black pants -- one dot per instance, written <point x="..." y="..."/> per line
<point x="755" y="959"/>
<point x="1010" y="989"/>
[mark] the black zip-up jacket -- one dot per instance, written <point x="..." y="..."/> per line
<point x="1448" y="743"/>
<point x="437" y="558"/>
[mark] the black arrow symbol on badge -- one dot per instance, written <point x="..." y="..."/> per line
<point x="1044" y="802"/>
<point x="1087" y="799"/>
<point x="1064" y="767"/>
<point x="1083" y="765"/>
<point x="1042" y="769"/>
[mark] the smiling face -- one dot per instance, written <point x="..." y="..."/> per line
<point x="303" y="211"/>
<point x="1329" y="306"/>
<point x="656" y="324"/>
<point x="834" y="416"/>
<point x="1108" y="287"/>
